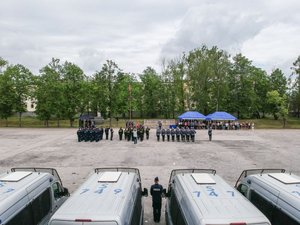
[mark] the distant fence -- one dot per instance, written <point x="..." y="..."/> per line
<point x="153" y="123"/>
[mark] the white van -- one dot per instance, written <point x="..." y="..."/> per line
<point x="110" y="196"/>
<point x="273" y="191"/>
<point x="200" y="197"/>
<point x="30" y="196"/>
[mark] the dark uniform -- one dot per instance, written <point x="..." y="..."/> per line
<point x="79" y="135"/>
<point x="156" y="192"/>
<point x="193" y="132"/>
<point x="163" y="133"/>
<point x="173" y="134"/>
<point x="168" y="134"/>
<point x="177" y="132"/>
<point x="142" y="133"/>
<point x="158" y="131"/>
<point x="101" y="133"/>
<point x="182" y="132"/>
<point x="111" y="134"/>
<point x="210" y="133"/>
<point x="187" y="134"/>
<point x="120" y="133"/>
<point x="106" y="133"/>
<point x="147" y="133"/>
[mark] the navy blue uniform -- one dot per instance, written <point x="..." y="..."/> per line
<point x="156" y="192"/>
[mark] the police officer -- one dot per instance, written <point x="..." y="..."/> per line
<point x="142" y="132"/>
<point x="168" y="132"/>
<point x="86" y="135"/>
<point x="210" y="133"/>
<point x="156" y="192"/>
<point x="182" y="133"/>
<point x="187" y="134"/>
<point x="97" y="131"/>
<point x="101" y="133"/>
<point x="158" y="131"/>
<point x="163" y="133"/>
<point x="177" y="132"/>
<point x="106" y="132"/>
<point x="173" y="134"/>
<point x="111" y="133"/>
<point x="120" y="133"/>
<point x="193" y="132"/>
<point x="147" y="133"/>
<point x="79" y="136"/>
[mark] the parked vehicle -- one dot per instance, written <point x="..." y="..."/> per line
<point x="273" y="191"/>
<point x="200" y="197"/>
<point x="30" y="196"/>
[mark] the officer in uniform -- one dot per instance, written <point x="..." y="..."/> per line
<point x="177" y="132"/>
<point x="193" y="132"/>
<point x="210" y="133"/>
<point x="168" y="134"/>
<point x="173" y="134"/>
<point x="86" y="134"/>
<point x="182" y="132"/>
<point x="147" y="133"/>
<point x="142" y="132"/>
<point x="106" y="133"/>
<point x="158" y="131"/>
<point x="101" y="133"/>
<point x="187" y="134"/>
<point x="111" y="133"/>
<point x="163" y="133"/>
<point x="97" y="131"/>
<point x="125" y="134"/>
<point x="156" y="192"/>
<point x="120" y="133"/>
<point x="92" y="134"/>
<point x="79" y="135"/>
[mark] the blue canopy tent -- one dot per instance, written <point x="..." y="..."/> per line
<point x="220" y="116"/>
<point x="191" y="115"/>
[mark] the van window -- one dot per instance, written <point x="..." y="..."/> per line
<point x="279" y="218"/>
<point x="176" y="214"/>
<point x="24" y="217"/>
<point x="41" y="206"/>
<point x="262" y="204"/>
<point x="57" y="190"/>
<point x="34" y="212"/>
<point x="243" y="189"/>
<point x="137" y="211"/>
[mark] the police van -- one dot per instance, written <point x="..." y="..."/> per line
<point x="29" y="196"/>
<point x="200" y="197"/>
<point x="110" y="196"/>
<point x="273" y="191"/>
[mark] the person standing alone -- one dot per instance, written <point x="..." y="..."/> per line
<point x="156" y="192"/>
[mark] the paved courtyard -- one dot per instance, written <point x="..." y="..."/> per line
<point x="229" y="153"/>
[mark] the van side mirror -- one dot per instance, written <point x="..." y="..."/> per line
<point x="145" y="192"/>
<point x="66" y="192"/>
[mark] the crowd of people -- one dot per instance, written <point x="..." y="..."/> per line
<point x="216" y="125"/>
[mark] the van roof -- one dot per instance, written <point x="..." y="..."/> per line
<point x="15" y="185"/>
<point x="211" y="197"/>
<point x="102" y="197"/>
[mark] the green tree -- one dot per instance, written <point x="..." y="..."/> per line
<point x="295" y="89"/>
<point x="73" y="80"/>
<point x="152" y="92"/>
<point x="278" y="105"/>
<point x="7" y="93"/>
<point x="22" y="83"/>
<point x="49" y="92"/>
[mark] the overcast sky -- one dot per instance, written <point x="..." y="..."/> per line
<point x="140" y="33"/>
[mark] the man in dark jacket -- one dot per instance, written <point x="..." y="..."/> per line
<point x="156" y="192"/>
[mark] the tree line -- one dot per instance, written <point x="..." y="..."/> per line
<point x="204" y="79"/>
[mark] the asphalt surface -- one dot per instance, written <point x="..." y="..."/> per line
<point x="230" y="152"/>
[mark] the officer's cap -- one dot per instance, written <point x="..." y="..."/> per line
<point x="156" y="178"/>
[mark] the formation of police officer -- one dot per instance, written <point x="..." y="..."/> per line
<point x="128" y="133"/>
<point x="90" y="134"/>
<point x="182" y="134"/>
<point x="156" y="191"/>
